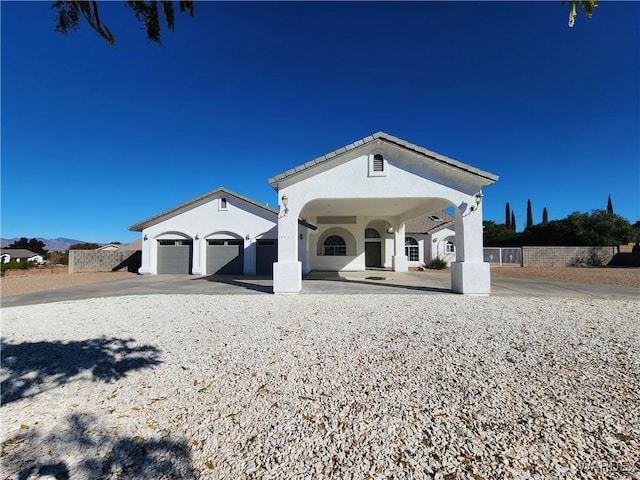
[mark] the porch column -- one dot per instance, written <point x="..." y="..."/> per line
<point x="399" y="260"/>
<point x="287" y="271"/>
<point x="469" y="273"/>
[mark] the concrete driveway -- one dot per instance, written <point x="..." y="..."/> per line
<point x="369" y="282"/>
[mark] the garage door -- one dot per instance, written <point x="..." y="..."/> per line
<point x="225" y="257"/>
<point x="175" y="256"/>
<point x="266" y="254"/>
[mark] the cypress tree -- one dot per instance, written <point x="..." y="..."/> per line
<point x="513" y="221"/>
<point x="609" y="206"/>
<point x="507" y="216"/>
<point x="545" y="215"/>
<point x="529" y="214"/>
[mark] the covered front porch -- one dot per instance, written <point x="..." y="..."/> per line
<point x="348" y="211"/>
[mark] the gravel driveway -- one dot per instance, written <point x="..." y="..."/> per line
<point x="350" y="386"/>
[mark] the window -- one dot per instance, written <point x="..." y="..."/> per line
<point x="435" y="218"/>
<point x="449" y="247"/>
<point x="371" y="233"/>
<point x="378" y="163"/>
<point x="223" y="203"/>
<point x="335" y="246"/>
<point x="411" y="249"/>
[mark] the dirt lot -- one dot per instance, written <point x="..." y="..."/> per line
<point x="29" y="283"/>
<point x="622" y="277"/>
<point x="628" y="277"/>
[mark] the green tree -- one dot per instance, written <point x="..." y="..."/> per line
<point x="545" y="215"/>
<point x="513" y="221"/>
<point x="529" y="214"/>
<point x="609" y="206"/>
<point x="588" y="6"/>
<point x="507" y="216"/>
<point x="582" y="229"/>
<point x="69" y="13"/>
<point x="33" y="244"/>
<point x="496" y="235"/>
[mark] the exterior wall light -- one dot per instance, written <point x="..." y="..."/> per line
<point x="390" y="230"/>
<point x="478" y="196"/>
<point x="247" y="238"/>
<point x="285" y="203"/>
<point x="145" y="238"/>
<point x="197" y="237"/>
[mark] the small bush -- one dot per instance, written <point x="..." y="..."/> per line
<point x="437" y="264"/>
<point x="592" y="259"/>
<point x="13" y="265"/>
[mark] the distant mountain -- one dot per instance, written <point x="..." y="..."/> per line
<point x="50" y="244"/>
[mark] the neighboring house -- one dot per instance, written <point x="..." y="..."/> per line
<point x="20" y="255"/>
<point x="355" y="208"/>
<point x="133" y="246"/>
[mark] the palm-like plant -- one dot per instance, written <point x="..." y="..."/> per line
<point x="587" y="5"/>
<point x="69" y="13"/>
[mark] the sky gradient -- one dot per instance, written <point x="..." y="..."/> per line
<point x="96" y="138"/>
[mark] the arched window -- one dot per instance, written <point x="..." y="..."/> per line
<point x="371" y="233"/>
<point x="378" y="163"/>
<point x="335" y="246"/>
<point x="449" y="247"/>
<point x="223" y="203"/>
<point x="411" y="249"/>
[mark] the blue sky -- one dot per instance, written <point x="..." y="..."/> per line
<point x="96" y="138"/>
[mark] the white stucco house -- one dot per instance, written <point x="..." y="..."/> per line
<point x="20" y="255"/>
<point x="362" y="206"/>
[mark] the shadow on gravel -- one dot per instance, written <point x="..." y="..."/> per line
<point x="104" y="455"/>
<point x="29" y="368"/>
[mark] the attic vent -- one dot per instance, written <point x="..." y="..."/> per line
<point x="435" y="218"/>
<point x="378" y="163"/>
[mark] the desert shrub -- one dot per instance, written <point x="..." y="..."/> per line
<point x="437" y="264"/>
<point x="592" y="259"/>
<point x="13" y="265"/>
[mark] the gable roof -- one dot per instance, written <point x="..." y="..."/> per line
<point x="423" y="224"/>
<point x="19" y="252"/>
<point x="202" y="199"/>
<point x="486" y="176"/>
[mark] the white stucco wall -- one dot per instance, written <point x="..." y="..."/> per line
<point x="417" y="184"/>
<point x="210" y="221"/>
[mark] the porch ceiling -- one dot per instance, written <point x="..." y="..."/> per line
<point x="372" y="207"/>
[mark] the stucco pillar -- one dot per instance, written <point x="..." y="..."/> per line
<point x="469" y="273"/>
<point x="399" y="260"/>
<point x="196" y="265"/>
<point x="287" y="271"/>
<point x="145" y="268"/>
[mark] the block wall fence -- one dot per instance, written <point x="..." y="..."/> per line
<point x="104" y="260"/>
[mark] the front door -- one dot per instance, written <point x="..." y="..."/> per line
<point x="373" y="254"/>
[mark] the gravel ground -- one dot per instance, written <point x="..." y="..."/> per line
<point x="362" y="387"/>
